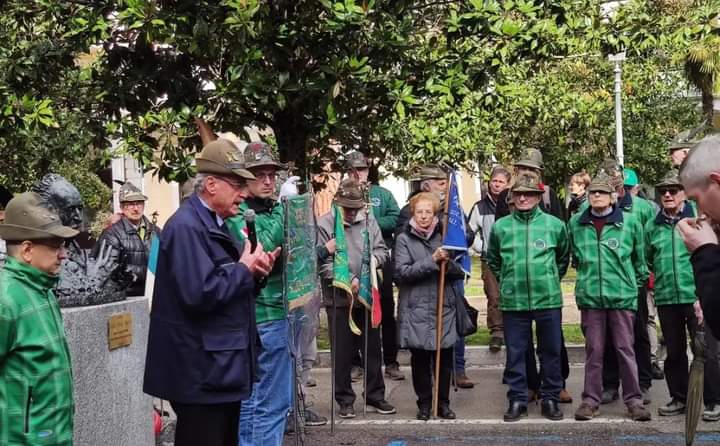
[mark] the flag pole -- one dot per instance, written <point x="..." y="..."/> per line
<point x="440" y="303"/>
<point x="366" y="196"/>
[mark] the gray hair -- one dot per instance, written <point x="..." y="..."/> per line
<point x="701" y="161"/>
<point x="199" y="182"/>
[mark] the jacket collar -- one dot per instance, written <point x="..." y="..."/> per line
<point x="207" y="216"/>
<point x="687" y="212"/>
<point x="130" y="228"/>
<point x="30" y="276"/>
<point x="528" y="215"/>
<point x="626" y="202"/>
<point x="615" y="217"/>
<point x="260" y="205"/>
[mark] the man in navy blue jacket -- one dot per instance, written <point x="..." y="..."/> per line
<point x="203" y="340"/>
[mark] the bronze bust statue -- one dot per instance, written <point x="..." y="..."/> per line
<point x="84" y="280"/>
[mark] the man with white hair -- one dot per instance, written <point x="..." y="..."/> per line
<point x="700" y="176"/>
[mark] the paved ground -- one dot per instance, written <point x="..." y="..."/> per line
<point x="480" y="422"/>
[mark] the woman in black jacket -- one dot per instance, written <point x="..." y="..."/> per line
<point x="417" y="265"/>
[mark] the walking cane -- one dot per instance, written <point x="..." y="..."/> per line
<point x="440" y="304"/>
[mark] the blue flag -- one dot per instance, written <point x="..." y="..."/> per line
<point x="455" y="239"/>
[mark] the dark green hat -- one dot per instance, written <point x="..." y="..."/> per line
<point x="222" y="157"/>
<point x="356" y="160"/>
<point x="531" y="158"/>
<point x="671" y="178"/>
<point x="26" y="219"/>
<point x="259" y="154"/>
<point x="528" y="182"/>
<point x="683" y="140"/>
<point x="128" y="192"/>
<point x="602" y="183"/>
<point x="350" y="194"/>
<point x="427" y="172"/>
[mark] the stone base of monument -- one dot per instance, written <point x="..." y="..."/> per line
<point x="107" y="348"/>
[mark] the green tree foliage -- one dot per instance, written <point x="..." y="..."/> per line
<point x="402" y="80"/>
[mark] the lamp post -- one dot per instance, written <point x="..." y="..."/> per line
<point x="618" y="59"/>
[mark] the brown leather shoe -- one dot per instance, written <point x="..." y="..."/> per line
<point x="462" y="381"/>
<point x="639" y="413"/>
<point x="565" y="397"/>
<point x="586" y="412"/>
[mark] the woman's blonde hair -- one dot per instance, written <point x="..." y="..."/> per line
<point x="581" y="178"/>
<point x="425" y="196"/>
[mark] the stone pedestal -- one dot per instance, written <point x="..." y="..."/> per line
<point x="110" y="406"/>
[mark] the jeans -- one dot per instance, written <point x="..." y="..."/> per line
<point x="264" y="414"/>
<point x="518" y="329"/>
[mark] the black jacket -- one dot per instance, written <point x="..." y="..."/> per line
<point x="127" y="244"/>
<point x="706" y="266"/>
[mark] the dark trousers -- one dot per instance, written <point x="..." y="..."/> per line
<point x="533" y="375"/>
<point x="611" y="373"/>
<point x="346" y="347"/>
<point x="676" y="322"/>
<point x="518" y="329"/>
<point x="389" y="326"/>
<point x="206" y="424"/>
<point x="422" y="362"/>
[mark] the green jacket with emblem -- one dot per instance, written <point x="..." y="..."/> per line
<point x="269" y="225"/>
<point x="529" y="252"/>
<point x="611" y="268"/>
<point x="385" y="210"/>
<point x="669" y="259"/>
<point x="36" y="395"/>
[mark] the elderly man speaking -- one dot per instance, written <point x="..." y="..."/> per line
<point x="202" y="341"/>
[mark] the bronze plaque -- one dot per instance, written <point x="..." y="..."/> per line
<point x="120" y="330"/>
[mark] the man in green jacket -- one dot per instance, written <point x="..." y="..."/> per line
<point x="643" y="212"/>
<point x="607" y="245"/>
<point x="678" y="307"/>
<point x="529" y="253"/>
<point x="36" y="395"/>
<point x="263" y="416"/>
<point x="386" y="211"/>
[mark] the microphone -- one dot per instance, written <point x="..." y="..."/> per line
<point x="250" y="224"/>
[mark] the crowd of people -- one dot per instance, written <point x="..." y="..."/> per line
<point x="221" y="344"/>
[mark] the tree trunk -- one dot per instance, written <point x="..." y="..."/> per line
<point x="292" y="134"/>
<point x="708" y="106"/>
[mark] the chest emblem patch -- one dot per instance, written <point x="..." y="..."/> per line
<point x="612" y="243"/>
<point x="540" y="244"/>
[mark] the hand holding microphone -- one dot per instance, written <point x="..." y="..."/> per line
<point x="254" y="257"/>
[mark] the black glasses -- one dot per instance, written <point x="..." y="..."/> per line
<point x="673" y="191"/>
<point x="234" y="184"/>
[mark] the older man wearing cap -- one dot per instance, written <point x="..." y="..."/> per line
<point x="676" y="300"/>
<point x="608" y="246"/>
<point x="203" y="337"/>
<point x="529" y="253"/>
<point x="531" y="161"/>
<point x="351" y="200"/>
<point x="130" y="236"/>
<point x="679" y="147"/>
<point x="386" y="211"/>
<point x="643" y="212"/>
<point x="36" y="396"/>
